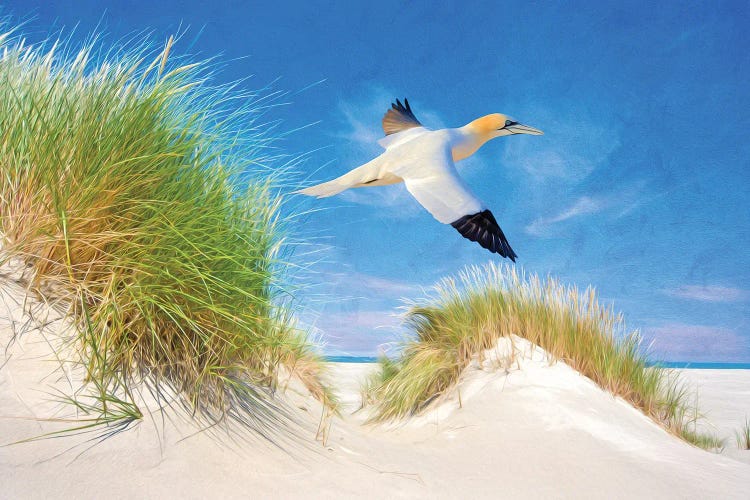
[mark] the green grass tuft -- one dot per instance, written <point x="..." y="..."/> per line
<point x="464" y="319"/>
<point x="743" y="435"/>
<point x="143" y="198"/>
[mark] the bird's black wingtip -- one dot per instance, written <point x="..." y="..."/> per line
<point x="482" y="228"/>
<point x="398" y="106"/>
<point x="399" y="118"/>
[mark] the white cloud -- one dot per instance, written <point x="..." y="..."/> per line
<point x="364" y="332"/>
<point x="381" y="286"/>
<point x="683" y="342"/>
<point x="584" y="205"/>
<point x="360" y="121"/>
<point x="711" y="293"/>
<point x="352" y="314"/>
<point x="355" y="285"/>
<point x="359" y="130"/>
<point x="570" y="150"/>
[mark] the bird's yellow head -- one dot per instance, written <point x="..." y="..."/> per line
<point x="498" y="125"/>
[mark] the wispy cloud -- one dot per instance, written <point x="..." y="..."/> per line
<point x="362" y="285"/>
<point x="684" y="342"/>
<point x="359" y="127"/>
<point x="617" y="202"/>
<point x="573" y="146"/>
<point x="355" y="312"/>
<point x="360" y="119"/>
<point x="382" y="286"/>
<point x="584" y="205"/>
<point x="364" y="332"/>
<point x="711" y="293"/>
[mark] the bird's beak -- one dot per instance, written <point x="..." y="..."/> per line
<point x="520" y="128"/>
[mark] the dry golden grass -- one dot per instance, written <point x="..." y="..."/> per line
<point x="742" y="436"/>
<point x="467" y="315"/>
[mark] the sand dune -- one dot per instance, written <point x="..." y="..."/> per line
<point x="524" y="430"/>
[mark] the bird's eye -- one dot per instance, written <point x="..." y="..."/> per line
<point x="508" y="123"/>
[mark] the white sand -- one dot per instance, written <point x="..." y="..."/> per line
<point x="535" y="431"/>
<point x="723" y="397"/>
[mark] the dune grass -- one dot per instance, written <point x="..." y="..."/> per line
<point x="742" y="436"/>
<point x="144" y="199"/>
<point x="468" y="315"/>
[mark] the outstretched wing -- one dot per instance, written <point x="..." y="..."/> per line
<point x="399" y="118"/>
<point x="484" y="229"/>
<point x="437" y="187"/>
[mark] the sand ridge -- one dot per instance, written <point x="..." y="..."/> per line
<point x="525" y="428"/>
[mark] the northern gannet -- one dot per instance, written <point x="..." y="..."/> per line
<point x="424" y="160"/>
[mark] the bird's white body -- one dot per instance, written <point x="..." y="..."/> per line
<point x="425" y="160"/>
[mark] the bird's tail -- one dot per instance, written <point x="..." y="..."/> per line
<point x="354" y="178"/>
<point x="325" y="189"/>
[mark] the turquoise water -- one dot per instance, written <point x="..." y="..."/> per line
<point x="351" y="359"/>
<point x="701" y="366"/>
<point x="664" y="364"/>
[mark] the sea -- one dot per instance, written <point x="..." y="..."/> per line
<point x="663" y="364"/>
<point x="700" y="366"/>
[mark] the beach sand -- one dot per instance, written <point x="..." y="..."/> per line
<point x="524" y="430"/>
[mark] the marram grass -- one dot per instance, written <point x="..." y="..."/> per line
<point x="467" y="315"/>
<point x="742" y="436"/>
<point x="127" y="185"/>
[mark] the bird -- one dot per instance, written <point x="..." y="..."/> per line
<point x="424" y="160"/>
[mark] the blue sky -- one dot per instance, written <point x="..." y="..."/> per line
<point x="640" y="185"/>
